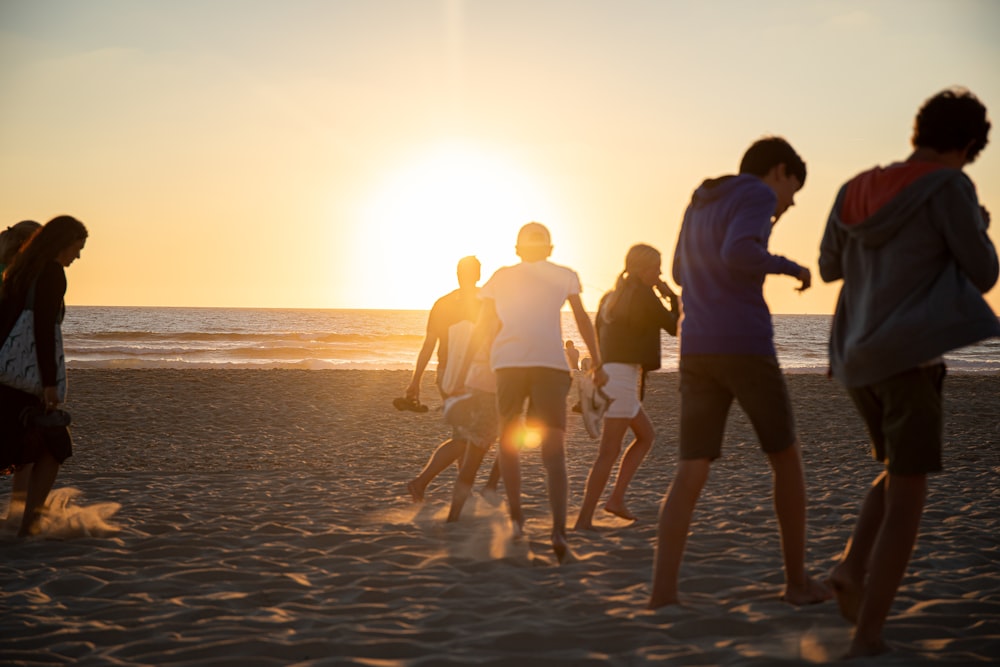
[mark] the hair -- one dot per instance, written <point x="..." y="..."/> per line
<point x="533" y="242"/>
<point x="14" y="237"/>
<point x="767" y="153"/>
<point x="58" y="234"/>
<point x="469" y="270"/>
<point x="638" y="258"/>
<point x="952" y="120"/>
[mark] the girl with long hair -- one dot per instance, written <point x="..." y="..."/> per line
<point x="37" y="274"/>
<point x="629" y="320"/>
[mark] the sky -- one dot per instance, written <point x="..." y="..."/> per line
<point x="346" y="153"/>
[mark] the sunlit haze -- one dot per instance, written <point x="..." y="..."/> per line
<point x="347" y="154"/>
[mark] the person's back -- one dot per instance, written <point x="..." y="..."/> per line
<point x="529" y="297"/>
<point x="721" y="262"/>
<point x="522" y="314"/>
<point x="910" y="243"/>
<point x="727" y="353"/>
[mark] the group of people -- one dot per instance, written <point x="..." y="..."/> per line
<point x="34" y="438"/>
<point x="909" y="243"/>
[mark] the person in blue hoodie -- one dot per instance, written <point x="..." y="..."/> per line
<point x="727" y="352"/>
<point x="909" y="242"/>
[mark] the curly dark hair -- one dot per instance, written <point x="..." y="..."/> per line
<point x="952" y="120"/>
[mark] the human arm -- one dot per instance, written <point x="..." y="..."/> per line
<point x="667" y="319"/>
<point x="832" y="245"/>
<point x="744" y="247"/>
<point x="965" y="225"/>
<point x="586" y="329"/>
<point x="50" y="289"/>
<point x="423" y="358"/>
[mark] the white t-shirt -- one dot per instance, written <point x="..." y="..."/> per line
<point x="528" y="298"/>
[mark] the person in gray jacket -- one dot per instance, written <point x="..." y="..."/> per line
<point x="909" y="242"/>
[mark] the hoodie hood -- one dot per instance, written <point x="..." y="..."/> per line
<point x="875" y="204"/>
<point x="713" y="189"/>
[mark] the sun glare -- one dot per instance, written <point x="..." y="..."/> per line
<point x="451" y="201"/>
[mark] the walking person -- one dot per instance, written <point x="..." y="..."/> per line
<point x="30" y="429"/>
<point x="460" y="305"/>
<point x="727" y="352"/>
<point x="909" y="243"/>
<point x="522" y="314"/>
<point x="628" y="323"/>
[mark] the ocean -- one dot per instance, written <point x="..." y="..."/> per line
<point x="134" y="337"/>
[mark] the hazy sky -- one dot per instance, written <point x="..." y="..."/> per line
<point x="346" y="154"/>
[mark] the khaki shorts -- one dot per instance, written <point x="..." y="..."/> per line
<point x="903" y="415"/>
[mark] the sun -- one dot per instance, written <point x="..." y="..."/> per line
<point x="450" y="201"/>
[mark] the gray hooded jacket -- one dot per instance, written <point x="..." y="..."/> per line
<point x="914" y="272"/>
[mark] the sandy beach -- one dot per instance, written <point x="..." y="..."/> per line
<point x="261" y="518"/>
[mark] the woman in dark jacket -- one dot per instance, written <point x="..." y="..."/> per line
<point x="37" y="272"/>
<point x="629" y="321"/>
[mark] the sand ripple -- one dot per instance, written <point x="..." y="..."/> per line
<point x="278" y="533"/>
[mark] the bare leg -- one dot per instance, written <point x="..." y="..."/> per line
<point x="18" y="490"/>
<point x="671" y="534"/>
<point x="510" y="469"/>
<point x="554" y="458"/>
<point x="634" y="456"/>
<point x="466" y="478"/>
<point x="447" y="452"/>
<point x="848" y="577"/>
<point x="611" y="443"/>
<point x="494" y="478"/>
<point x="904" y="504"/>
<point x="43" y="476"/>
<point x="790" y="506"/>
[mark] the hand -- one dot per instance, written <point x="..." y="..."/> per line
<point x="805" y="280"/>
<point x="600" y="376"/>
<point x="664" y="290"/>
<point x="50" y="396"/>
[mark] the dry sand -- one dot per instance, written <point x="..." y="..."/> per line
<point x="260" y="518"/>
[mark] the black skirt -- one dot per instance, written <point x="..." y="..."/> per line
<point x="20" y="444"/>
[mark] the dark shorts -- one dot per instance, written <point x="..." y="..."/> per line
<point x="545" y="389"/>
<point x="904" y="418"/>
<point x="710" y="382"/>
<point x="20" y="445"/>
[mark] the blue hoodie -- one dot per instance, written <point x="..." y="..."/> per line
<point x="912" y="250"/>
<point x="720" y="263"/>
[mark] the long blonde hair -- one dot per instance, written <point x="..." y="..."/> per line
<point x="638" y="258"/>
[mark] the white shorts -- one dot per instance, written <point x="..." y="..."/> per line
<point x="623" y="386"/>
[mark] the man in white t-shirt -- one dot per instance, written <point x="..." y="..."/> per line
<point x="522" y="304"/>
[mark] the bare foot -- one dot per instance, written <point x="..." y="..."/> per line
<point x="847" y="591"/>
<point x="584" y="525"/>
<point x="620" y="511"/>
<point x="561" y="548"/>
<point x="416" y="491"/>
<point x="490" y="495"/>
<point x="811" y="592"/>
<point x="656" y="602"/>
<point x="861" y="649"/>
<point x="516" y="530"/>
